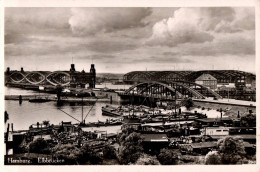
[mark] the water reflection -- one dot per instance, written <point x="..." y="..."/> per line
<point x="30" y="113"/>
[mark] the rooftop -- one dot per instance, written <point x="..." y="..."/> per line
<point x="212" y="119"/>
<point x="155" y="138"/>
<point x="204" y="145"/>
<point x="205" y="76"/>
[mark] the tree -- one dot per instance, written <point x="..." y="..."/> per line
<point x="38" y="125"/>
<point x="74" y="155"/>
<point x="125" y="132"/>
<point x="39" y="146"/>
<point x="70" y="153"/>
<point x="145" y="159"/>
<point x="188" y="103"/>
<point x="109" y="152"/>
<point x="212" y="158"/>
<point x="231" y="150"/>
<point x="248" y="121"/>
<point x="130" y="149"/>
<point x="167" y="157"/>
<point x="88" y="154"/>
<point x="46" y="123"/>
<point x="6" y="116"/>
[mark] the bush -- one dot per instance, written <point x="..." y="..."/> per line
<point x="167" y="157"/>
<point x="188" y="103"/>
<point x="74" y="155"/>
<point x="88" y="154"/>
<point x="145" y="159"/>
<point x="212" y="158"/>
<point x="190" y="159"/>
<point x="231" y="150"/>
<point x="70" y="153"/>
<point x="131" y="149"/>
<point x="95" y="159"/>
<point x="248" y="121"/>
<point x="125" y="132"/>
<point x="109" y="152"/>
<point x="39" y="146"/>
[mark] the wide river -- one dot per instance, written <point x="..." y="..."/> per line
<point x="22" y="116"/>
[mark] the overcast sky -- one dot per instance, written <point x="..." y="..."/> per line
<point x="121" y="40"/>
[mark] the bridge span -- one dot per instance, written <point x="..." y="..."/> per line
<point x="71" y="78"/>
<point x="167" y="91"/>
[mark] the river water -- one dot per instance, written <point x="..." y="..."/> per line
<point x="22" y="116"/>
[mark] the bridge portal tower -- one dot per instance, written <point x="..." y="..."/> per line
<point x="93" y="76"/>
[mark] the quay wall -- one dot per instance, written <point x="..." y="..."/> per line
<point x="53" y="98"/>
<point x="111" y="96"/>
<point x="234" y="108"/>
<point x="221" y="104"/>
<point x="26" y="97"/>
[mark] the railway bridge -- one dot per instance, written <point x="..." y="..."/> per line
<point x="34" y="79"/>
<point x="166" y="91"/>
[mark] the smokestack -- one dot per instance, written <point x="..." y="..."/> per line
<point x="12" y="127"/>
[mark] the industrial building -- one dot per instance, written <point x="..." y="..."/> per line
<point x="207" y="80"/>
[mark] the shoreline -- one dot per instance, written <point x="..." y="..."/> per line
<point x="54" y="98"/>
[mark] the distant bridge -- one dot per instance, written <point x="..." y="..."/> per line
<point x="170" y="90"/>
<point x="222" y="76"/>
<point x="39" y="78"/>
<point x="71" y="78"/>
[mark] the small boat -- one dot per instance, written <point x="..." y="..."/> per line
<point x="39" y="100"/>
<point x="102" y="124"/>
<point x="111" y="111"/>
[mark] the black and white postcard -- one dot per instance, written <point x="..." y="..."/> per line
<point x="129" y="85"/>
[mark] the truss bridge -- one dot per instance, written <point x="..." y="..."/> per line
<point x="168" y="91"/>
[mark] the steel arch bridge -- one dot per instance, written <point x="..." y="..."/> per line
<point x="170" y="90"/>
<point x="240" y="78"/>
<point x="39" y="78"/>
